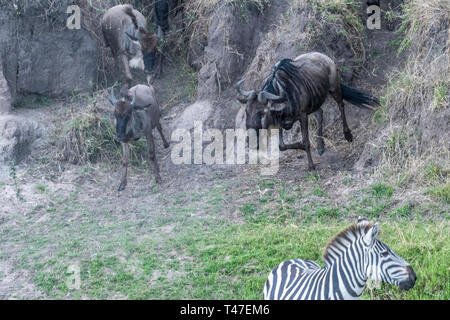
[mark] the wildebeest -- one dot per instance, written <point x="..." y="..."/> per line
<point x="163" y="9"/>
<point x="301" y="87"/>
<point x="125" y="32"/>
<point x="135" y="119"/>
<point x="254" y="112"/>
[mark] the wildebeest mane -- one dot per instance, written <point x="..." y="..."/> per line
<point x="277" y="115"/>
<point x="301" y="81"/>
<point x="268" y="85"/>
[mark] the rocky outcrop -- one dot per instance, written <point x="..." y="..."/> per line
<point x="5" y="94"/>
<point x="17" y="136"/>
<point x="40" y="54"/>
<point x="233" y="37"/>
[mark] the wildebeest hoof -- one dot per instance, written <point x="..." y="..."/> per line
<point x="283" y="148"/>
<point x="312" y="168"/>
<point x="158" y="179"/>
<point x="121" y="187"/>
<point x="166" y="145"/>
<point x="348" y="136"/>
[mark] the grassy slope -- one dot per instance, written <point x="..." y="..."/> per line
<point x="188" y="248"/>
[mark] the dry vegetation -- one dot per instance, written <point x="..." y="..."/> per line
<point x="416" y="94"/>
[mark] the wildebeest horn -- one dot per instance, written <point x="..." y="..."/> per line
<point x="263" y="96"/>
<point x="112" y="98"/>
<point x="245" y="93"/>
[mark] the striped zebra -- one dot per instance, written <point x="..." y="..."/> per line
<point x="351" y="258"/>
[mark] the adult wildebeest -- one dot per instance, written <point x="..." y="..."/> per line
<point x="125" y="32"/>
<point x="304" y="83"/>
<point x="254" y="112"/>
<point x="134" y="120"/>
<point x="163" y="9"/>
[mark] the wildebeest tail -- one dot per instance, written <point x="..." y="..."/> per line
<point x="129" y="11"/>
<point x="358" y="97"/>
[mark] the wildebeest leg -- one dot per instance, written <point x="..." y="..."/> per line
<point x="305" y="134"/>
<point x="160" y="65"/>
<point x="125" y="156"/>
<point x="320" y="143"/>
<point x="128" y="77"/>
<point x="337" y="96"/>
<point x="257" y="139"/>
<point x="160" y="130"/>
<point x="152" y="164"/>
<point x="281" y="142"/>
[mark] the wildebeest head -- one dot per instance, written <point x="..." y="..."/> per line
<point x="258" y="111"/>
<point x="123" y="111"/>
<point x="148" y="43"/>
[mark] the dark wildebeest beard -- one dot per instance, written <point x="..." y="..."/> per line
<point x="253" y="121"/>
<point x="122" y="134"/>
<point x="129" y="126"/>
<point x="276" y="119"/>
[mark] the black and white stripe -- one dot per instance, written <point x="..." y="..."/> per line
<point x="353" y="257"/>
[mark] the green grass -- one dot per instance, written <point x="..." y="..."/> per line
<point x="208" y="256"/>
<point x="441" y="192"/>
<point x="440" y="95"/>
<point x="381" y="190"/>
<point x="188" y="246"/>
<point x="41" y="187"/>
<point x="232" y="262"/>
<point x="433" y="173"/>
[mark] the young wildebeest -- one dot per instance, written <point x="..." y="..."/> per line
<point x="304" y="83"/>
<point x="125" y="32"/>
<point x="134" y="120"/>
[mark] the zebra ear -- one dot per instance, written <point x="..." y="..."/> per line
<point x="371" y="235"/>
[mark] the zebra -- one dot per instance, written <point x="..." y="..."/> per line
<point x="351" y="258"/>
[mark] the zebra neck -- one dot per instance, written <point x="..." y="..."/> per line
<point x="346" y="273"/>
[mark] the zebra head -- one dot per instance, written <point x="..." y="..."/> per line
<point x="382" y="263"/>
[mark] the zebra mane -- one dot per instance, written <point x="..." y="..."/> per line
<point x="348" y="235"/>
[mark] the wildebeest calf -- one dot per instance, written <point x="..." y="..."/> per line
<point x="134" y="120"/>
